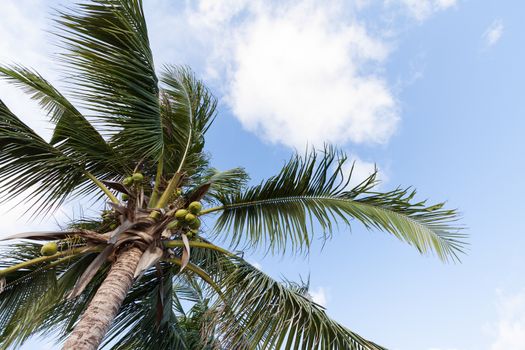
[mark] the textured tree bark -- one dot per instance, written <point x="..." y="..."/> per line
<point x="99" y="315"/>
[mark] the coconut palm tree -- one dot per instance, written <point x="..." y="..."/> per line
<point x="134" y="140"/>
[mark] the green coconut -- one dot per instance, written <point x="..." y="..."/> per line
<point x="195" y="224"/>
<point x="49" y="249"/>
<point x="125" y="197"/>
<point x="128" y="181"/>
<point x="181" y="214"/>
<point x="195" y="207"/>
<point x="137" y="177"/>
<point x="173" y="225"/>
<point x="190" y="218"/>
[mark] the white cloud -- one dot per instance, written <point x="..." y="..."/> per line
<point x="298" y="72"/>
<point x="256" y="264"/>
<point x="493" y="33"/>
<point x="361" y="170"/>
<point x="422" y="9"/>
<point x="509" y="330"/>
<point x="319" y="295"/>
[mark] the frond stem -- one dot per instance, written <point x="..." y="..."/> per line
<point x="172" y="185"/>
<point x="199" y="272"/>
<point x="188" y="143"/>
<point x="42" y="259"/>
<point x="176" y="243"/>
<point x="102" y="187"/>
<point x="158" y="179"/>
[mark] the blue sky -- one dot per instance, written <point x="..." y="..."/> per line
<point x="428" y="90"/>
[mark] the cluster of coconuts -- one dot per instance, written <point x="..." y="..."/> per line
<point x="136" y="179"/>
<point x="109" y="219"/>
<point x="187" y="218"/>
<point x="48" y="249"/>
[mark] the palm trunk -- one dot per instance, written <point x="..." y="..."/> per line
<point x="99" y="315"/>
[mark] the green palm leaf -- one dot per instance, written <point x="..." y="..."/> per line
<point x="283" y="209"/>
<point x="111" y="66"/>
<point x="75" y="134"/>
<point x="28" y="162"/>
<point x="188" y="111"/>
<point x="223" y="182"/>
<point x="257" y="312"/>
<point x="34" y="299"/>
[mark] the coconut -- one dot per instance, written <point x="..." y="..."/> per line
<point x="190" y="218"/>
<point x="195" y="207"/>
<point x="181" y="214"/>
<point x="125" y="197"/>
<point x="138" y="177"/>
<point x="128" y="181"/>
<point x="195" y="224"/>
<point x="49" y="249"/>
<point x="173" y="225"/>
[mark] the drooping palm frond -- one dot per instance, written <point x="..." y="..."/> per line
<point x="27" y="162"/>
<point x="189" y="110"/>
<point x="257" y="312"/>
<point x="73" y="134"/>
<point x="33" y="300"/>
<point x="111" y="66"/>
<point x="314" y="189"/>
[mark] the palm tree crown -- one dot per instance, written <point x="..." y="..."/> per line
<point x="138" y="144"/>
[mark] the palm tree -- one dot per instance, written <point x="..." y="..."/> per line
<point x="122" y="279"/>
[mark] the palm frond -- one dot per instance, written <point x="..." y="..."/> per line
<point x="111" y="66"/>
<point x="188" y="111"/>
<point x="29" y="163"/>
<point x="77" y="137"/>
<point x="314" y="190"/>
<point x="257" y="312"/>
<point x="223" y="182"/>
<point x="33" y="301"/>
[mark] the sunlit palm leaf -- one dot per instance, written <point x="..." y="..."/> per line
<point x="284" y="209"/>
<point x="257" y="312"/>
<point x="111" y="66"/>
<point x="223" y="182"/>
<point x="77" y="137"/>
<point x="28" y="162"/>
<point x="188" y="111"/>
<point x="34" y="300"/>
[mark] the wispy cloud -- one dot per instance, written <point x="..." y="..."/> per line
<point x="493" y="33"/>
<point x="319" y="295"/>
<point x="422" y="9"/>
<point x="362" y="169"/>
<point x="297" y="72"/>
<point x="509" y="330"/>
